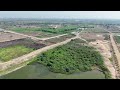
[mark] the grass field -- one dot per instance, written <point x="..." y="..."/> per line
<point x="44" y="32"/>
<point x="60" y="30"/>
<point x="12" y="52"/>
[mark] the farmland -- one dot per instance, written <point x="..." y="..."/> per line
<point x="16" y="48"/>
<point x="45" y="31"/>
<point x="12" y="52"/>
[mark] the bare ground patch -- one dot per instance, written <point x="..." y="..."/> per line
<point x="26" y="42"/>
<point x="9" y="36"/>
<point x="103" y="47"/>
<point x="89" y="36"/>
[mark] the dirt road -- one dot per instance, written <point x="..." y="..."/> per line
<point x="53" y="37"/>
<point x="104" y="48"/>
<point x="116" y="51"/>
<point x="27" y="57"/>
<point x="9" y="37"/>
<point x="117" y="55"/>
<point x="34" y="38"/>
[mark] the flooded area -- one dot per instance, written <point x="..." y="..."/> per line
<point x="38" y="71"/>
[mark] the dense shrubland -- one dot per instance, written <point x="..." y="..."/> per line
<point x="60" y="30"/>
<point x="73" y="57"/>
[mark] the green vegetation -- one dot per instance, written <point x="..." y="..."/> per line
<point x="12" y="52"/>
<point x="117" y="39"/>
<point x="107" y="37"/>
<point x="61" y="30"/>
<point x="73" y="57"/>
<point x="40" y="33"/>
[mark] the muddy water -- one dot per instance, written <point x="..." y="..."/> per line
<point x="38" y="71"/>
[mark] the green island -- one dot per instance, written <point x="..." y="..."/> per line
<point x="75" y="56"/>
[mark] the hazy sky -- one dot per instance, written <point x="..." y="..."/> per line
<point x="61" y="14"/>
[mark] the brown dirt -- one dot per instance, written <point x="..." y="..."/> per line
<point x="103" y="47"/>
<point x="116" y="53"/>
<point x="9" y="36"/>
<point x="32" y="33"/>
<point x="118" y="45"/>
<point x="88" y="36"/>
<point x="32" y="37"/>
<point x="26" y="42"/>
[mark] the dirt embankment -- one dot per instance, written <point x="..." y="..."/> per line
<point x="27" y="57"/>
<point x="32" y="37"/>
<point x="116" y="51"/>
<point x="9" y="36"/>
<point x="103" y="47"/>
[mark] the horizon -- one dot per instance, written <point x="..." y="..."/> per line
<point x="60" y="18"/>
<point x="61" y="14"/>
